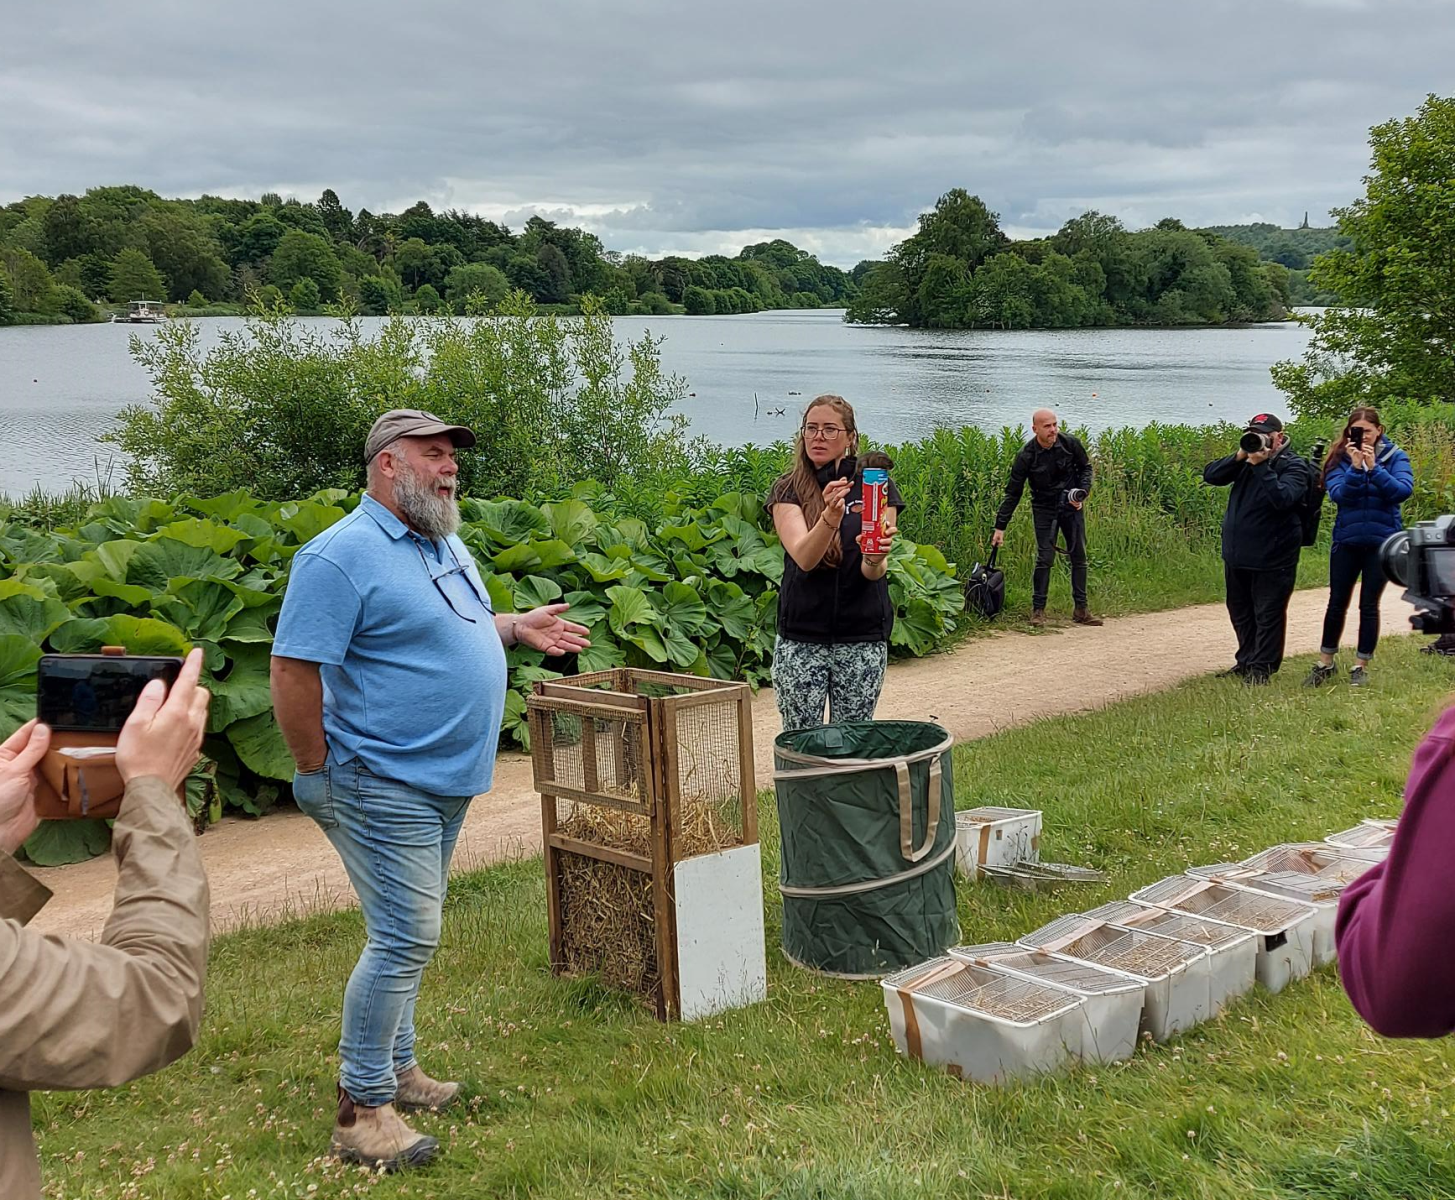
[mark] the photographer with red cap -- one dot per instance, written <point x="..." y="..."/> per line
<point x="1262" y="535"/>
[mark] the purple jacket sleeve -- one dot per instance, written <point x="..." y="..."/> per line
<point x="1395" y="921"/>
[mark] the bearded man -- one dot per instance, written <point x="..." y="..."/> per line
<point x="389" y="679"/>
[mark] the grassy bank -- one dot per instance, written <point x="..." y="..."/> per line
<point x="578" y="1093"/>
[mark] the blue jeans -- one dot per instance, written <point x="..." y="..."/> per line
<point x="395" y="843"/>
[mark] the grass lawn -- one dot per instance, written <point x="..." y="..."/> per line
<point x="579" y="1093"/>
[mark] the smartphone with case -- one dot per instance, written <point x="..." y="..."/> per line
<point x="95" y="693"/>
<point x="86" y="699"/>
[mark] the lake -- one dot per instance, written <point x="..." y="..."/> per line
<point x="61" y="386"/>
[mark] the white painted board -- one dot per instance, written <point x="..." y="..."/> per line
<point x="722" y="958"/>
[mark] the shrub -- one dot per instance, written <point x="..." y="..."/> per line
<point x="283" y="408"/>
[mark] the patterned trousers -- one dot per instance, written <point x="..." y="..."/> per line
<point x="848" y="676"/>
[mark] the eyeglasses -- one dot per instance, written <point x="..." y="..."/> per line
<point x="826" y="431"/>
<point x="437" y="578"/>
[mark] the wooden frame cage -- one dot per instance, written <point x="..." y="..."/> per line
<point x="640" y="771"/>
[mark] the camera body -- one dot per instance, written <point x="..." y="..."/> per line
<point x="1075" y="495"/>
<point x="1421" y="559"/>
<point x="1253" y="442"/>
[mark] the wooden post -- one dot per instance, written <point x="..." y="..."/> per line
<point x="747" y="772"/>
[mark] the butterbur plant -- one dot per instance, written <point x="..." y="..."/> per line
<point x="693" y="589"/>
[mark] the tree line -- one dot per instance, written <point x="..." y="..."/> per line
<point x="61" y="255"/>
<point x="959" y="270"/>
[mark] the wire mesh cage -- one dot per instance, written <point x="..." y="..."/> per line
<point x="1367" y="835"/>
<point x="1314" y="858"/>
<point x="1146" y="955"/>
<point x="638" y="771"/>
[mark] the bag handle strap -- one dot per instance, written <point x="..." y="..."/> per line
<point x="906" y="810"/>
<point x="990" y="562"/>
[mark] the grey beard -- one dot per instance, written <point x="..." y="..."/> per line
<point x="434" y="516"/>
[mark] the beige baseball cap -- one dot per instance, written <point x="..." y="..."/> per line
<point x="411" y="422"/>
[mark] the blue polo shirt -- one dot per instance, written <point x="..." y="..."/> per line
<point x="411" y="688"/>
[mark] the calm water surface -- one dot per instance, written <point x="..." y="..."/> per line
<point x="62" y="386"/>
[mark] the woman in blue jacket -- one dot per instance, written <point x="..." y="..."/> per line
<point x="1367" y="477"/>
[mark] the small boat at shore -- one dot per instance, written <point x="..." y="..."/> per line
<point x="142" y="312"/>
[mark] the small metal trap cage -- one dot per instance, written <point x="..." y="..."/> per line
<point x="1232" y="952"/>
<point x="1145" y="955"/>
<point x="1367" y="835"/>
<point x="638" y="772"/>
<point x="1314" y="858"/>
<point x="1268" y="915"/>
<point x="980" y="989"/>
<point x="1035" y="964"/>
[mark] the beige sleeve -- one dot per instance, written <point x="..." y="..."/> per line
<point x="21" y="894"/>
<point x="78" y="1014"/>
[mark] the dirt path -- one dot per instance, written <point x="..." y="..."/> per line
<point x="268" y="870"/>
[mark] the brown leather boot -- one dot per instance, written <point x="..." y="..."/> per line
<point x="1038" y="617"/>
<point x="378" y="1137"/>
<point x="1082" y="616"/>
<point x="418" y="1090"/>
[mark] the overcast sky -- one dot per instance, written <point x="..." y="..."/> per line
<point x="691" y="127"/>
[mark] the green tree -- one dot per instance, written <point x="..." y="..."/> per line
<point x="301" y="255"/>
<point x="960" y="226"/>
<point x="30" y="280"/>
<point x="135" y="277"/>
<point x="882" y="294"/>
<point x="258" y="237"/>
<point x="427" y="300"/>
<point x="7" y="299"/>
<point x="336" y="218"/>
<point x="185" y="252"/>
<point x="69" y="230"/>
<point x="699" y="302"/>
<point x="304" y="296"/>
<point x="465" y="281"/>
<point x="557" y="272"/>
<point x="1396" y="340"/>
<point x="68" y="301"/>
<point x="379" y="296"/>
<point x="196" y="300"/>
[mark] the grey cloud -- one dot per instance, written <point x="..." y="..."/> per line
<point x="674" y="127"/>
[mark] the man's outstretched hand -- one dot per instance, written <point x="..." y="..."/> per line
<point x="546" y="630"/>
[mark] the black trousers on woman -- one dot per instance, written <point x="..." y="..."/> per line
<point x="1346" y="565"/>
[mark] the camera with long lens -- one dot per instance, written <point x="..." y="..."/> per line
<point x="1075" y="495"/>
<point x="1421" y="559"/>
<point x="1253" y="442"/>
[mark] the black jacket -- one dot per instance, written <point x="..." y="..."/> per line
<point x="1263" y="527"/>
<point x="834" y="604"/>
<point x="1051" y="474"/>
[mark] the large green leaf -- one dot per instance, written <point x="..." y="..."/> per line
<point x="917" y="628"/>
<point x="201" y="608"/>
<point x="253" y="624"/>
<point x="535" y="590"/>
<point x="133" y="595"/>
<point x="307" y="520"/>
<point x="116" y="557"/>
<point x="18" y="656"/>
<point x="602" y="655"/>
<point x="29" y="612"/>
<point x="732" y="608"/>
<point x="603" y="569"/>
<point x="629" y="608"/>
<point x="506" y="521"/>
<point x="57" y="843"/>
<point x="534" y="556"/>
<point x="209" y="535"/>
<point x="156" y="564"/>
<point x="586" y="608"/>
<point x="139" y="635"/>
<point x="70" y="581"/>
<point x="260" y="746"/>
<point x="571" y="521"/>
<point x="227" y="507"/>
<point x="682" y="609"/>
<point x="243" y="689"/>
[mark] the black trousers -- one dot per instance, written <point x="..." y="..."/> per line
<point x="1258" y="608"/>
<point x="1071" y="521"/>
<point x="1346" y="565"/>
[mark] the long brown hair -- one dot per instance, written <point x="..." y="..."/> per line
<point x="1336" y="451"/>
<point x="802" y="479"/>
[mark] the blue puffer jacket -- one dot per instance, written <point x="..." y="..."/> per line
<point x="1368" y="501"/>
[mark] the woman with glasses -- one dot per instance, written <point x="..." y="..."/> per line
<point x="834" y="612"/>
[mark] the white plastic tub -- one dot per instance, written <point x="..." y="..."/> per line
<point x="980" y="1023"/>
<point x="1284" y="928"/>
<point x="1232" y="952"/>
<point x="1177" y="983"/>
<point x="996" y="837"/>
<point x="1375" y="836"/>
<point x="1111" y="1003"/>
<point x="1312" y="872"/>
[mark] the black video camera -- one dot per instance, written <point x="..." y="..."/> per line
<point x="1421" y="559"/>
